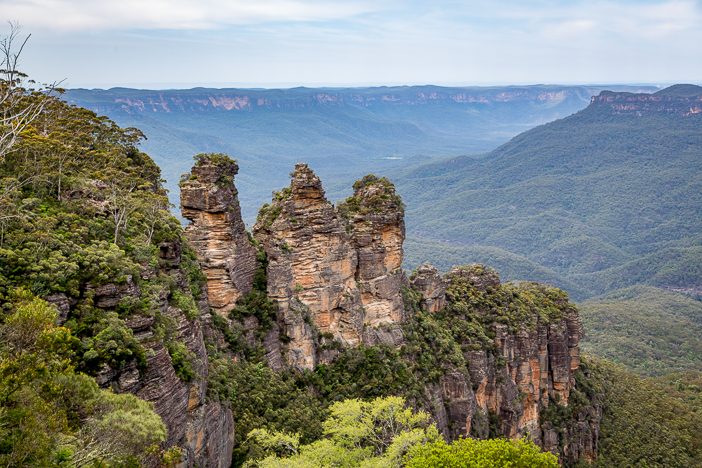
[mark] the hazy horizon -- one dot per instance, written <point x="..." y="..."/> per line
<point x="289" y="43"/>
<point x="166" y="86"/>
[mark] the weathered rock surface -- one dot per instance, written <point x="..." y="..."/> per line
<point x="427" y="280"/>
<point x="683" y="100"/>
<point x="311" y="268"/>
<point x="375" y="214"/>
<point x="203" y="429"/>
<point x="527" y="370"/>
<point x="335" y="275"/>
<point x="217" y="232"/>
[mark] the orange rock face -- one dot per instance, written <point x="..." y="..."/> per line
<point x="375" y="215"/>
<point x="218" y="234"/>
<point x="311" y="268"/>
<point x="334" y="273"/>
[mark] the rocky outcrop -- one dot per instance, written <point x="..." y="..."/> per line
<point x="682" y="100"/>
<point x="335" y="274"/>
<point x="429" y="283"/>
<point x="218" y="234"/>
<point x="375" y="215"/>
<point x="336" y="280"/>
<point x="311" y="268"/>
<point x="526" y="375"/>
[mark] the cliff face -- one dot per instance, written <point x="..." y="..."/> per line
<point x="203" y="429"/>
<point x="218" y="234"/>
<point x="311" y="268"/>
<point x="375" y="215"/>
<point x="252" y="100"/>
<point x="427" y="281"/>
<point x="515" y="384"/>
<point x="682" y="100"/>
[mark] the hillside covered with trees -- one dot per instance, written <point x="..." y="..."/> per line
<point x="601" y="200"/>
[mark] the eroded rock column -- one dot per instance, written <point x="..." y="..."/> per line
<point x="209" y="200"/>
<point x="375" y="214"/>
<point x="311" y="268"/>
<point x="427" y="280"/>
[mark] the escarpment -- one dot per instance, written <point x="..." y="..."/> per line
<point x="505" y="358"/>
<point x="218" y="234"/>
<point x="520" y="344"/>
<point x="173" y="375"/>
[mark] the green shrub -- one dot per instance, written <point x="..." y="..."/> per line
<point x="182" y="360"/>
<point x="472" y="453"/>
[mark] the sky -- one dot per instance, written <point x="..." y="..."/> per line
<point x="284" y="43"/>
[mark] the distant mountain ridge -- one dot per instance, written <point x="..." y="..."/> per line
<point x="607" y="198"/>
<point x="685" y="100"/>
<point x="242" y="99"/>
<point x="343" y="133"/>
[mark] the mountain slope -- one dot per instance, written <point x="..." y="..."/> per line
<point x="649" y="330"/>
<point x="606" y="198"/>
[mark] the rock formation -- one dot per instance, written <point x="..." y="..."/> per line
<point x="203" y="429"/>
<point x="375" y="214"/>
<point x="427" y="281"/>
<point x="311" y="268"/>
<point x="683" y="100"/>
<point x="218" y="234"/>
<point x="529" y="367"/>
<point x="335" y="275"/>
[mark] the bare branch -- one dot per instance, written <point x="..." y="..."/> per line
<point x="21" y="102"/>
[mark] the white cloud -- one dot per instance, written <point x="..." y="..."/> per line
<point x="81" y="15"/>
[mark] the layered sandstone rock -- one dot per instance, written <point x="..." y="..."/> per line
<point x="375" y="215"/>
<point x="209" y="200"/>
<point x="529" y="366"/>
<point x="681" y="99"/>
<point x="335" y="275"/>
<point x="427" y="281"/>
<point x="203" y="429"/>
<point x="311" y="268"/>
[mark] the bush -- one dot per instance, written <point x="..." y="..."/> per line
<point x="472" y="453"/>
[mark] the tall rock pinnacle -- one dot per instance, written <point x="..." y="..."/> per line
<point x="311" y="268"/>
<point x="209" y="200"/>
<point x="375" y="214"/>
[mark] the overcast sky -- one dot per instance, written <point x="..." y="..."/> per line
<point x="268" y="43"/>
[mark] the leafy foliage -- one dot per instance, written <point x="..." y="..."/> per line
<point x="356" y="433"/>
<point x="434" y="346"/>
<point x="372" y="194"/>
<point x="84" y="221"/>
<point x="385" y="433"/>
<point x="263" y="398"/>
<point x="88" y="221"/>
<point x="51" y="415"/>
<point x="644" y="422"/>
<point x="472" y="453"/>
